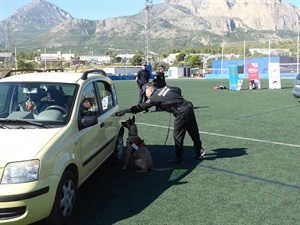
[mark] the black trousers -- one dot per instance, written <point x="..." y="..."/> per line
<point x="142" y="96"/>
<point x="185" y="121"/>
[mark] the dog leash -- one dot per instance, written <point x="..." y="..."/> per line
<point x="169" y="127"/>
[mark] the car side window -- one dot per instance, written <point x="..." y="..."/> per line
<point x="4" y="96"/>
<point x="89" y="104"/>
<point x="105" y="92"/>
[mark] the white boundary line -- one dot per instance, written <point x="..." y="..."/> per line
<point x="229" y="136"/>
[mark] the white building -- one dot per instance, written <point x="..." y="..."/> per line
<point x="178" y="72"/>
<point x="267" y="51"/>
<point x="122" y="70"/>
<point x="102" y="59"/>
<point x="59" y="56"/>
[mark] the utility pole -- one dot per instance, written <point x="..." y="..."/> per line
<point x="16" y="59"/>
<point x="148" y="7"/>
<point x="45" y="59"/>
<point x="7" y="35"/>
<point x="298" y="24"/>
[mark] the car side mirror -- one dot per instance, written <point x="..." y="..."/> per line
<point x="88" y="121"/>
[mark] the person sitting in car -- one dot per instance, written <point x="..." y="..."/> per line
<point x="85" y="108"/>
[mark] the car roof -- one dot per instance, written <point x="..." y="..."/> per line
<point x="55" y="77"/>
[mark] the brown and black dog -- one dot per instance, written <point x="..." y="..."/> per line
<point x="135" y="146"/>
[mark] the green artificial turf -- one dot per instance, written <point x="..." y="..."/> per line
<point x="249" y="176"/>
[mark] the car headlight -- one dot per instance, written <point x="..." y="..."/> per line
<point x="21" y="172"/>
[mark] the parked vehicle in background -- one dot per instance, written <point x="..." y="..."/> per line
<point x="51" y="143"/>
<point x="296" y="89"/>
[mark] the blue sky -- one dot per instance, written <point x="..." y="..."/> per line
<point x="90" y="9"/>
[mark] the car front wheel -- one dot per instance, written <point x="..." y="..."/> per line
<point x="65" y="199"/>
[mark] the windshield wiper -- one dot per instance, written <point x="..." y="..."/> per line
<point x="4" y="127"/>
<point x="24" y="121"/>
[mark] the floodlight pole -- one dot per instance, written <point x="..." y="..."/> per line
<point x="148" y="7"/>
<point x="16" y="62"/>
<point x="244" y="58"/>
<point x="45" y="58"/>
<point x="298" y="48"/>
<point x="222" y="59"/>
<point x="269" y="50"/>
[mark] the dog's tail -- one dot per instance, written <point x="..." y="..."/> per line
<point x="161" y="169"/>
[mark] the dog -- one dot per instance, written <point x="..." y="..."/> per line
<point x="135" y="146"/>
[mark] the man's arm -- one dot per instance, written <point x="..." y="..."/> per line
<point x="136" y="109"/>
<point x="123" y="112"/>
<point x="137" y="80"/>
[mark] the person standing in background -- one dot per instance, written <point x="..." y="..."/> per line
<point x="143" y="76"/>
<point x="159" y="80"/>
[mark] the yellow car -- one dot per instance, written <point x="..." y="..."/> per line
<point x="56" y="129"/>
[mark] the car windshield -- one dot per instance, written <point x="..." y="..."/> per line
<point x="35" y="104"/>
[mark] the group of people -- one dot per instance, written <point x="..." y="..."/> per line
<point x="166" y="98"/>
<point x="143" y="77"/>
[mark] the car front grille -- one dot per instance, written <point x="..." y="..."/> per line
<point x="10" y="213"/>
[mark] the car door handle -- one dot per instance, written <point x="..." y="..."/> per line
<point x="102" y="124"/>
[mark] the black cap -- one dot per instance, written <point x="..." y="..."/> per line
<point x="145" y="86"/>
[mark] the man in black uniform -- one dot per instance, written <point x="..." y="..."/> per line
<point x="142" y="78"/>
<point x="170" y="99"/>
<point x="159" y="78"/>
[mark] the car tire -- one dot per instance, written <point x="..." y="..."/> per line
<point x="118" y="154"/>
<point x="65" y="199"/>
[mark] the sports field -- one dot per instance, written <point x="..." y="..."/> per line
<point x="250" y="175"/>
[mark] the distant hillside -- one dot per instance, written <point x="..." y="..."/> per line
<point x="172" y="24"/>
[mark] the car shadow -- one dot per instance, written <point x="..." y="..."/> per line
<point x="111" y="194"/>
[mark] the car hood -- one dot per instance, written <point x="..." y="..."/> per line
<point x="23" y="144"/>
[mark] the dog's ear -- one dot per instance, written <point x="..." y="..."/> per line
<point x="133" y="118"/>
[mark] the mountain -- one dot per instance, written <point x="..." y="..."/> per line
<point x="173" y="24"/>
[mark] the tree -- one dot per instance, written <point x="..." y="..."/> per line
<point x="111" y="55"/>
<point x="193" y="60"/>
<point x="137" y="59"/>
<point x="22" y="64"/>
<point x="180" y="57"/>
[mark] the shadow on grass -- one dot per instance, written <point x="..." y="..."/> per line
<point x="111" y="194"/>
<point x="226" y="153"/>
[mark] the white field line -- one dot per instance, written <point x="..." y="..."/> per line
<point x="229" y="136"/>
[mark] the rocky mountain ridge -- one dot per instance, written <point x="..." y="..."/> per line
<point x="172" y="24"/>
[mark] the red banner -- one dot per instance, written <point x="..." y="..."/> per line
<point x="253" y="71"/>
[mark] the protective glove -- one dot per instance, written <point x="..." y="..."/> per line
<point x="121" y="113"/>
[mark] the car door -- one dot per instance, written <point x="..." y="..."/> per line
<point x="91" y="138"/>
<point x="109" y="120"/>
<point x="98" y="141"/>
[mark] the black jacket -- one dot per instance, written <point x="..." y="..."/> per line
<point x="143" y="77"/>
<point x="167" y="99"/>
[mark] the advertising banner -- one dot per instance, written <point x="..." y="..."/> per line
<point x="274" y="76"/>
<point x="233" y="77"/>
<point x="253" y="71"/>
